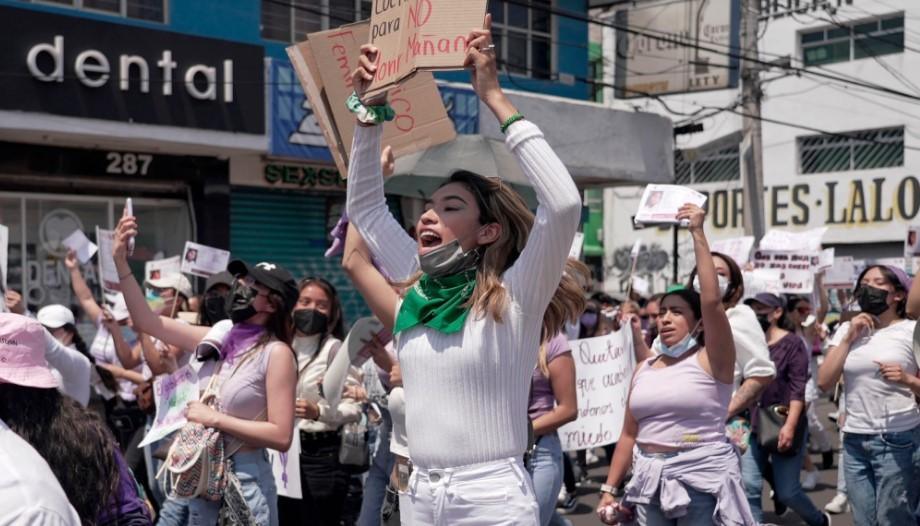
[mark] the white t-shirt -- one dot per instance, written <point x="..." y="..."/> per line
<point x="103" y="350"/>
<point x="752" y="356"/>
<point x="29" y="492"/>
<point x="72" y="369"/>
<point x="875" y="405"/>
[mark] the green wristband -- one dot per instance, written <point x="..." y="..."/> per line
<point x="511" y="120"/>
<point x="369" y="114"/>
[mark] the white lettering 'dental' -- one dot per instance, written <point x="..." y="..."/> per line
<point x="93" y="69"/>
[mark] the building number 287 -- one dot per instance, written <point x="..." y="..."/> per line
<point x="128" y="163"/>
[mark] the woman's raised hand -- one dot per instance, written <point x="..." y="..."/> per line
<point x="126" y="229"/>
<point x="363" y="75"/>
<point x="480" y="55"/>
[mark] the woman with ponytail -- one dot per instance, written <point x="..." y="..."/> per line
<point x="482" y="275"/>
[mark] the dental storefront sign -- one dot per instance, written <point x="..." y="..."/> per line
<point x="79" y="67"/>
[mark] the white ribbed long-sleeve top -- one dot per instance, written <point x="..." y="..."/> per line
<point x="466" y="393"/>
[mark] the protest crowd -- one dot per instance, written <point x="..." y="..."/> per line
<point x="256" y="402"/>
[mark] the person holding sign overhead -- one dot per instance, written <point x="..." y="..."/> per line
<point x="684" y="469"/>
<point x="483" y="272"/>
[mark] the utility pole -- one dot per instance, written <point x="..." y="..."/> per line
<point x="752" y="141"/>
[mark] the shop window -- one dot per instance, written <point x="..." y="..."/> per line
<point x="292" y="20"/>
<point x="718" y="161"/>
<point x="524" y="37"/>
<point x="861" y="150"/>
<point x="152" y="10"/>
<point x="38" y="225"/>
<point x="845" y="42"/>
<point x="462" y="107"/>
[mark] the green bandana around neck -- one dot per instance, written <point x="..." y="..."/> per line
<point x="438" y="303"/>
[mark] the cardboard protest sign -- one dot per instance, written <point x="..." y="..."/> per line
<point x="81" y="245"/>
<point x="203" y="261"/>
<point x="842" y="274"/>
<point x="420" y="35"/>
<point x="159" y="268"/>
<point x="324" y="63"/>
<point x="603" y="370"/>
<point x="286" y="469"/>
<point x="108" y="274"/>
<point x="786" y="272"/>
<point x="737" y="248"/>
<point x="4" y="255"/>
<point x="172" y="393"/>
<point x="807" y="241"/>
<point x="661" y="202"/>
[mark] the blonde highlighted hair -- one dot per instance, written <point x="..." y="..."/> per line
<point x="499" y="203"/>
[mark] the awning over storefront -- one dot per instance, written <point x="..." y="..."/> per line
<point x="600" y="146"/>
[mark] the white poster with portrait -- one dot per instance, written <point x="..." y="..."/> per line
<point x="108" y="274"/>
<point x="603" y="370"/>
<point x="204" y="261"/>
<point x="286" y="469"/>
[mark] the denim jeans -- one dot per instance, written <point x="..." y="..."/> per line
<point x="546" y="470"/>
<point x="173" y="512"/>
<point x="378" y="476"/>
<point x="785" y="481"/>
<point x="883" y="476"/>
<point x="700" y="511"/>
<point x="258" y="484"/>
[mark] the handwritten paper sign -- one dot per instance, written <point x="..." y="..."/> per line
<point x="4" y="255"/>
<point x="737" y="248"/>
<point x="81" y="245"/>
<point x="286" y="469"/>
<point x="324" y="63"/>
<point x="107" y="272"/>
<point x="420" y="35"/>
<point x="786" y="272"/>
<point x="603" y="370"/>
<point x="159" y="268"/>
<point x="353" y="353"/>
<point x="661" y="202"/>
<point x="807" y="241"/>
<point x="843" y="273"/>
<point x="204" y="261"/>
<point x="172" y="393"/>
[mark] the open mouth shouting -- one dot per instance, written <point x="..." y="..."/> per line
<point x="428" y="240"/>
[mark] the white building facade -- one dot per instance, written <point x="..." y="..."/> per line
<point x="836" y="154"/>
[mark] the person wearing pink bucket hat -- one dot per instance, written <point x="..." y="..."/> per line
<point x="22" y="353"/>
<point x="100" y="487"/>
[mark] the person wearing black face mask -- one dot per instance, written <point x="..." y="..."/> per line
<point x="214" y="306"/>
<point x="787" y="389"/>
<point x="317" y="318"/>
<point x="881" y="434"/>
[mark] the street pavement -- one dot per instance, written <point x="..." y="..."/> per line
<point x="583" y="514"/>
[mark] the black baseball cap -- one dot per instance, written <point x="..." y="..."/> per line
<point x="273" y="276"/>
<point x="221" y="278"/>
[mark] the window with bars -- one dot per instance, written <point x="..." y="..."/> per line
<point x="151" y="10"/>
<point x="852" y="41"/>
<point x="523" y="37"/>
<point x="717" y="161"/>
<point x="861" y="150"/>
<point x="291" y="20"/>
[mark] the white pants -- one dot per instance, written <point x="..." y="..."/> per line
<point x="496" y="493"/>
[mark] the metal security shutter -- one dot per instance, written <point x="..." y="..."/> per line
<point x="290" y="229"/>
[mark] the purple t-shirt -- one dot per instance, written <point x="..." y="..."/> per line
<point x="542" y="399"/>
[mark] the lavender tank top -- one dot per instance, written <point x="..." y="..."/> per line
<point x="243" y="393"/>
<point x="680" y="405"/>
